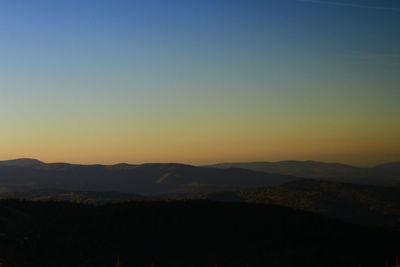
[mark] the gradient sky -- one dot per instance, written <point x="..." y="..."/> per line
<point x="107" y="81"/>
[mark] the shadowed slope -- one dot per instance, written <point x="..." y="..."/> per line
<point x="362" y="204"/>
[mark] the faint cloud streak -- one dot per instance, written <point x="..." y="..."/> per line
<point x="350" y="5"/>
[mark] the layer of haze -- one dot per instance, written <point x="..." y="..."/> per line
<point x="106" y="81"/>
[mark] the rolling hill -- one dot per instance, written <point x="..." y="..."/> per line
<point x="24" y="162"/>
<point x="385" y="174"/>
<point x="146" y="179"/>
<point x="360" y="204"/>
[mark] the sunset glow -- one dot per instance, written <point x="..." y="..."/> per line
<point x="199" y="81"/>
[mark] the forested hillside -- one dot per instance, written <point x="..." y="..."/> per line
<point x="361" y="204"/>
<point x="183" y="233"/>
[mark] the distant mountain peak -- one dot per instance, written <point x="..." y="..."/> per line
<point x="21" y="162"/>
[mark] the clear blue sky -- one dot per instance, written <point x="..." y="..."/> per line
<point x="200" y="81"/>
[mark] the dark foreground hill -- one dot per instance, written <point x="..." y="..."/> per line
<point x="184" y="233"/>
<point x="385" y="174"/>
<point x="361" y="204"/>
<point x="28" y="174"/>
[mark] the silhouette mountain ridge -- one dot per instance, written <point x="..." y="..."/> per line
<point x="149" y="178"/>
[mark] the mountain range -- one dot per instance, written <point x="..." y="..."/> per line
<point x="144" y="179"/>
<point x="387" y="174"/>
<point x="168" y="178"/>
<point x="325" y="193"/>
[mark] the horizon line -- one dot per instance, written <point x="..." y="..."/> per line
<point x="200" y="165"/>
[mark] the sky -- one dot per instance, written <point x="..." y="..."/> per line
<point x="200" y="81"/>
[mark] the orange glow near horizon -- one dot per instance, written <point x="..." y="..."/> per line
<point x="199" y="82"/>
